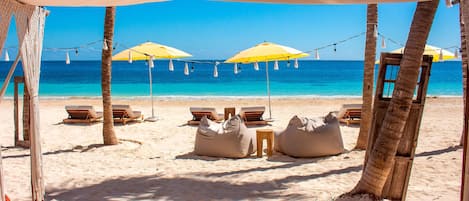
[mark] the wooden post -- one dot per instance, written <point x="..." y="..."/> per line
<point x="2" y="181"/>
<point x="16" y="112"/>
<point x="398" y="179"/>
<point x="26" y="114"/>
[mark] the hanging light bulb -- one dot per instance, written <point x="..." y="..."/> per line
<point x="192" y="67"/>
<point x="150" y="62"/>
<point x="67" y="58"/>
<point x="235" y="69"/>
<point x="215" y="70"/>
<point x="441" y="55"/>
<point x="186" y="69"/>
<point x="456" y="52"/>
<point x="276" y="65"/>
<point x="76" y="52"/>
<point x="375" y="31"/>
<point x="296" y="64"/>
<point x="7" y="57"/>
<point x="105" y="47"/>
<point x="335" y="47"/>
<point x="288" y="64"/>
<point x="316" y="54"/>
<point x="256" y="66"/>
<point x="449" y="4"/>
<point x="171" y="65"/>
<point x="383" y="43"/>
<point x="130" y="57"/>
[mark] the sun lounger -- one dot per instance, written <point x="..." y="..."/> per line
<point x="124" y="113"/>
<point x="199" y="112"/>
<point x="253" y="115"/>
<point x="350" y="114"/>
<point x="82" y="114"/>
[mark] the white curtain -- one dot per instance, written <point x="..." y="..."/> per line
<point x="30" y="30"/>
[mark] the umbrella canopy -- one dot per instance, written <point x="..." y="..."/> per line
<point x="145" y="50"/>
<point x="79" y="3"/>
<point x="436" y="52"/>
<point x="326" y="1"/>
<point x="266" y="51"/>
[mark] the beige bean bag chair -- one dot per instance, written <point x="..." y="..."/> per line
<point x="315" y="137"/>
<point x="230" y="139"/>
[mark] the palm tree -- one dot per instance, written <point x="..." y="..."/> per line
<point x="382" y="155"/>
<point x="109" y="135"/>
<point x="368" y="76"/>
<point x="464" y="71"/>
<point x="464" y="17"/>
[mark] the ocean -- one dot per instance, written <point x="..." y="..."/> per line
<point x="312" y="78"/>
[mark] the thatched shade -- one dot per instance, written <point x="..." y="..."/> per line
<point x="325" y="1"/>
<point x="81" y="3"/>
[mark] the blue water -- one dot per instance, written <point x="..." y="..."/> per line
<point x="313" y="78"/>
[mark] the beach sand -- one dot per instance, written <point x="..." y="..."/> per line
<point x="162" y="166"/>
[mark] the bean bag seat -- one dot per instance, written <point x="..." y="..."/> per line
<point x="230" y="139"/>
<point x="310" y="137"/>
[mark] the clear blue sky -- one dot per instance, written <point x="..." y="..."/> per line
<point x="217" y="30"/>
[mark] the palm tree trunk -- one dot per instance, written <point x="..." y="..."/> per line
<point x="109" y="135"/>
<point x="382" y="155"/>
<point x="368" y="76"/>
<point x="464" y="72"/>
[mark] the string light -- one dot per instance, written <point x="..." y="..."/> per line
<point x="215" y="69"/>
<point x="235" y="69"/>
<point x="105" y="47"/>
<point x="150" y="62"/>
<point x="186" y="69"/>
<point x="449" y="3"/>
<point x="130" y="57"/>
<point x="67" y="58"/>
<point x="456" y="52"/>
<point x="383" y="43"/>
<point x="288" y="64"/>
<point x="335" y="47"/>
<point x="276" y="65"/>
<point x="256" y="66"/>
<point x="76" y="51"/>
<point x="296" y="64"/>
<point x="375" y="31"/>
<point x="7" y="57"/>
<point x="171" y="65"/>
<point x="316" y="55"/>
<point x="441" y="55"/>
<point x="192" y="67"/>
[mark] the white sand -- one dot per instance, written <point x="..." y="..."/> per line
<point x="77" y="167"/>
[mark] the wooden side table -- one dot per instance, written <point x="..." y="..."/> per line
<point x="267" y="134"/>
<point x="228" y="111"/>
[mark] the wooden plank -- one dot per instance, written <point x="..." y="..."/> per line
<point x="16" y="112"/>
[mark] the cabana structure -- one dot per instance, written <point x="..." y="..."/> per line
<point x="30" y="19"/>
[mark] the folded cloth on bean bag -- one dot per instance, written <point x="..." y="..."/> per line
<point x="230" y="139"/>
<point x="310" y="137"/>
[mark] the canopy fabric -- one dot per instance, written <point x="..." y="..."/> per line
<point x="326" y="1"/>
<point x="434" y="51"/>
<point x="145" y="50"/>
<point x="81" y="3"/>
<point x="266" y="51"/>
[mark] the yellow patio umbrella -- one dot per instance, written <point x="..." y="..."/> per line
<point x="439" y="54"/>
<point x="265" y="52"/>
<point x="149" y="51"/>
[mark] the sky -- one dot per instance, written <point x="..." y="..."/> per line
<point x="218" y="30"/>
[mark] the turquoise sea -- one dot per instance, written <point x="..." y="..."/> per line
<point x="312" y="78"/>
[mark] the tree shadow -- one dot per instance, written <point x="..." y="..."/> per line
<point x="439" y="151"/>
<point x="193" y="156"/>
<point x="76" y="149"/>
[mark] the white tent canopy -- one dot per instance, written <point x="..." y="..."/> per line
<point x="82" y="3"/>
<point x="326" y="1"/>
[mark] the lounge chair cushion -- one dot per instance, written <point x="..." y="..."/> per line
<point x="230" y="139"/>
<point x="86" y="112"/>
<point x="205" y="110"/>
<point x="129" y="113"/>
<point x="310" y="137"/>
<point x="252" y="113"/>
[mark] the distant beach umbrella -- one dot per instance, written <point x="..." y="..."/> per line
<point x="67" y="58"/>
<point x="215" y="70"/>
<point x="186" y="69"/>
<point x="383" y="43"/>
<point x="296" y="65"/>
<point x="171" y="65"/>
<point x="265" y="52"/>
<point x="316" y="54"/>
<point x="7" y="57"/>
<point x="276" y="65"/>
<point x="149" y="51"/>
<point x="256" y="66"/>
<point x="130" y="57"/>
<point x="235" y="69"/>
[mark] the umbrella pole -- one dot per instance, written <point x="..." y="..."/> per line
<point x="268" y="87"/>
<point x="152" y="118"/>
